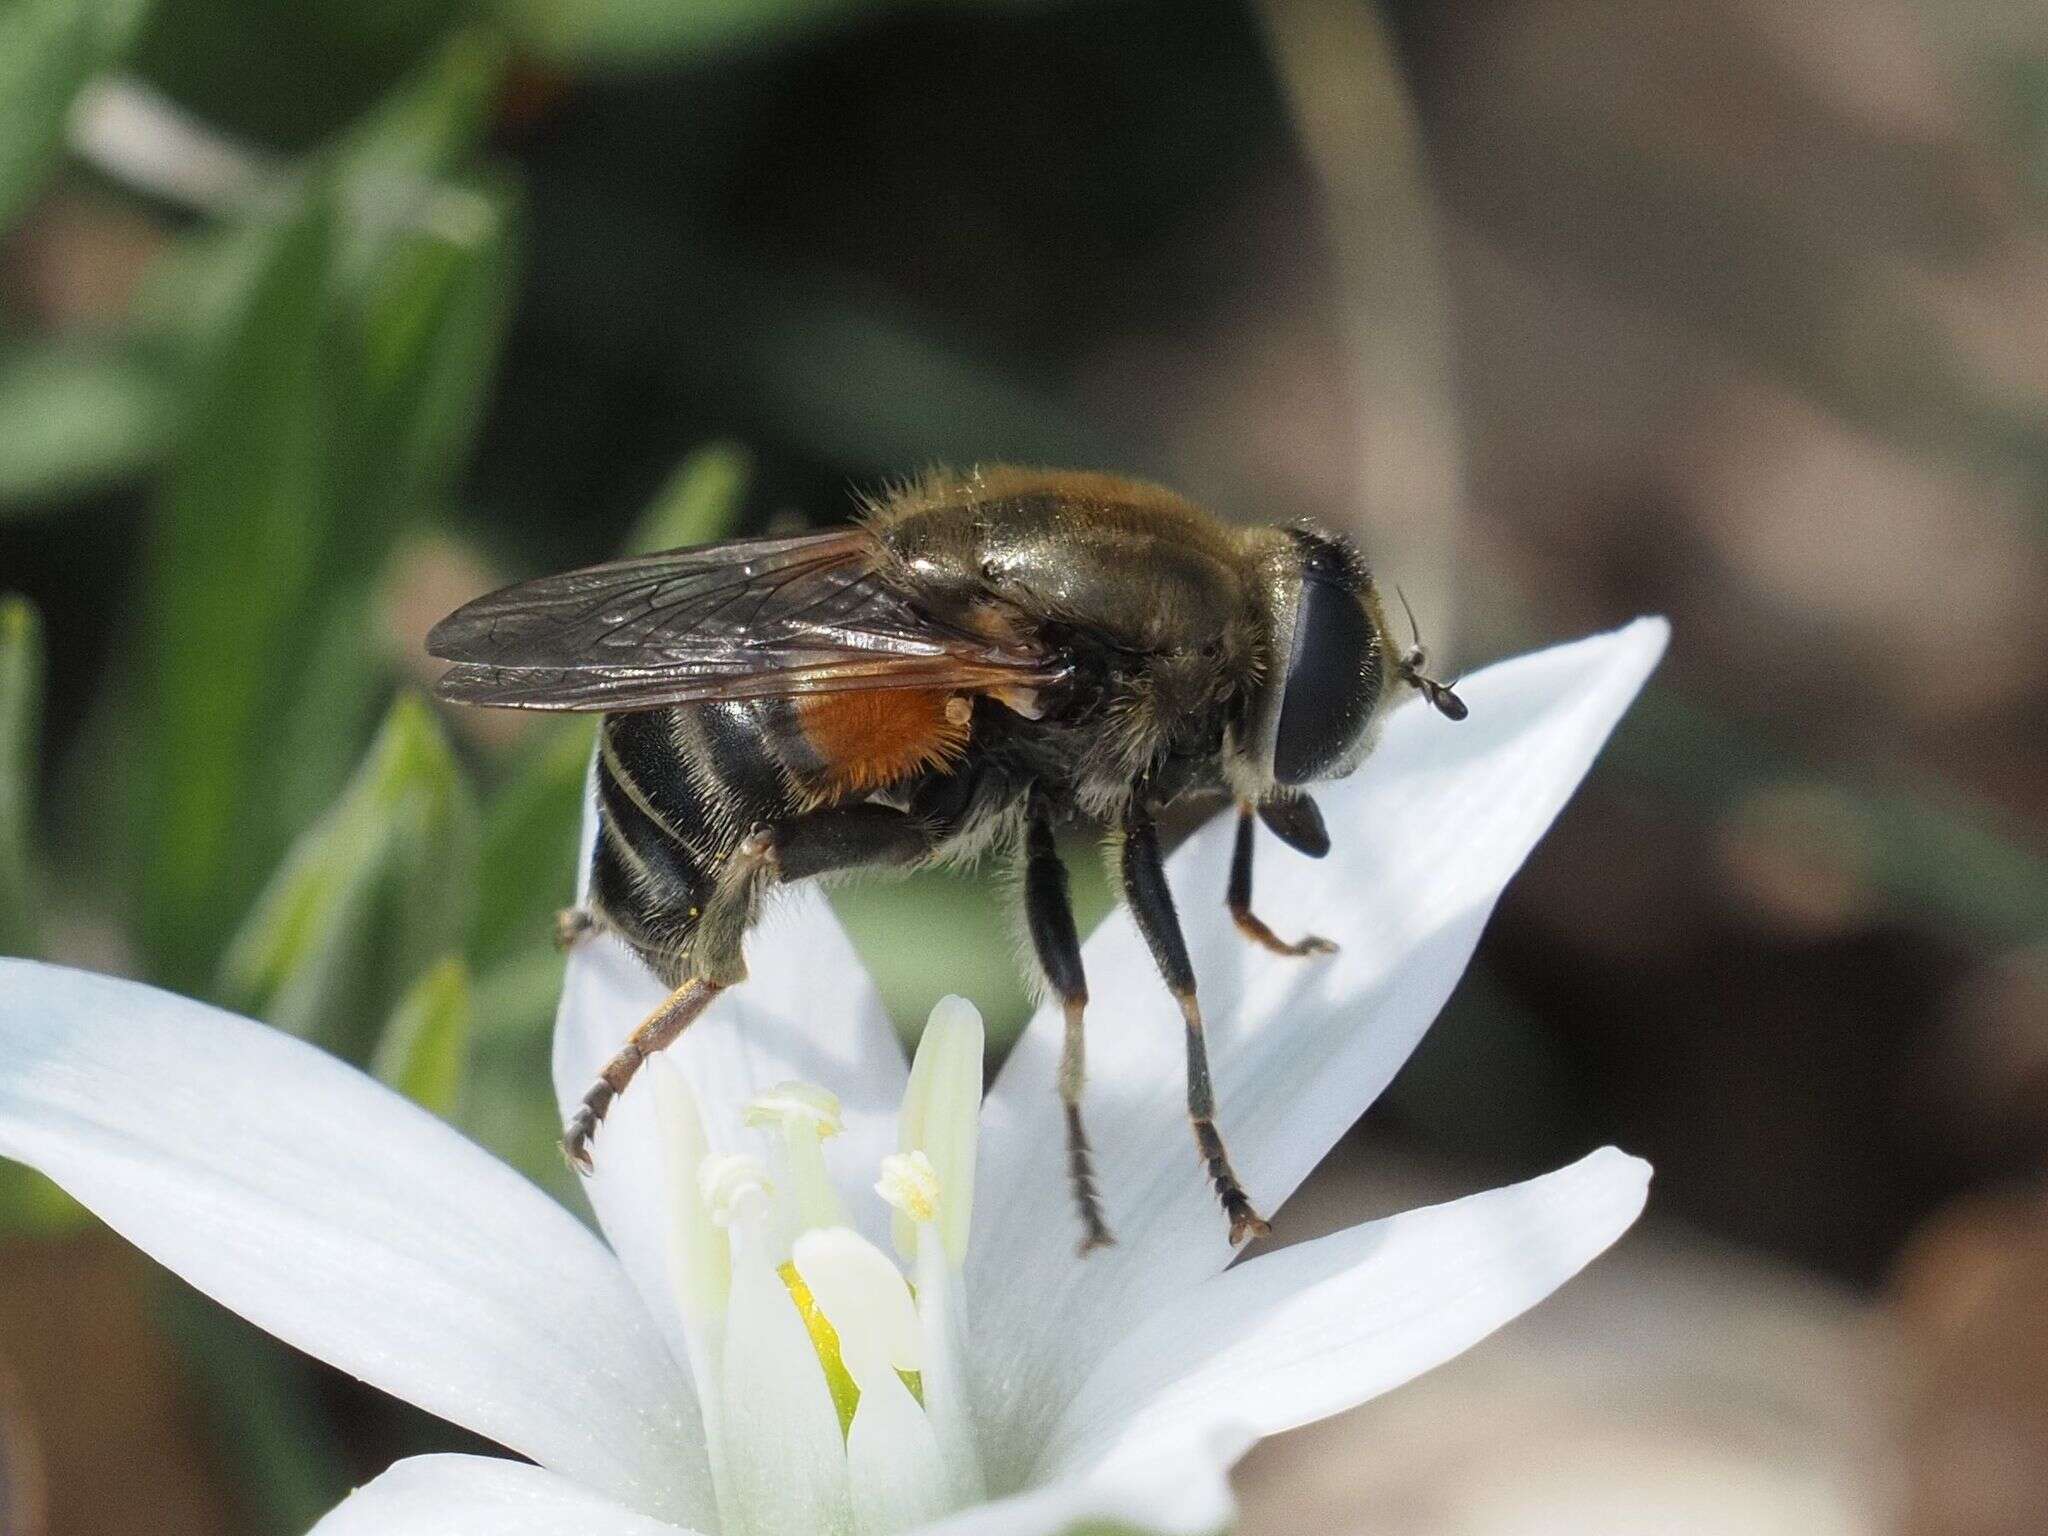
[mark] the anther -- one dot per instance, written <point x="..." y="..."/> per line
<point x="736" y="1188"/>
<point x="910" y="1183"/>
<point x="803" y="1103"/>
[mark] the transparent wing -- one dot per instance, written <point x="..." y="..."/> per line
<point x="742" y="619"/>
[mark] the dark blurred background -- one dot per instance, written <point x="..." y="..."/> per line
<point x="318" y="318"/>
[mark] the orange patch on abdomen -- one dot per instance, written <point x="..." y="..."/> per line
<point x="866" y="740"/>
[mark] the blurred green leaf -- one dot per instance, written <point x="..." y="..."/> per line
<point x="934" y="932"/>
<point x="432" y="320"/>
<point x="516" y="998"/>
<point x="509" y="1102"/>
<point x="700" y="502"/>
<point x="529" y="844"/>
<point x="29" y="1203"/>
<point x="339" y="690"/>
<point x="353" y="347"/>
<point x="625" y="33"/>
<point x="421" y="307"/>
<point x="21" y="703"/>
<point x="429" y="125"/>
<point x="31" y="1206"/>
<point x="74" y="417"/>
<point x="47" y="48"/>
<point x="369" y="897"/>
<point x="245" y="505"/>
<point x="424" y="1050"/>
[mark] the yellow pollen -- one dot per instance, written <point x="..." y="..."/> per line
<point x="910" y="1183"/>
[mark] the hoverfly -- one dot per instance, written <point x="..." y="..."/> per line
<point x="981" y="659"/>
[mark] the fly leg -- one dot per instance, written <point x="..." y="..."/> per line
<point x="1049" y="913"/>
<point x="849" y="838"/>
<point x="1240" y="897"/>
<point x="573" y="925"/>
<point x="1144" y="880"/>
<point x="656" y="1032"/>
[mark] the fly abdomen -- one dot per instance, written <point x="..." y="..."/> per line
<point x="677" y="792"/>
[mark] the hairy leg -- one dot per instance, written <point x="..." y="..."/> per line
<point x="1049" y="913"/>
<point x="1144" y="880"/>
<point x="853" y="837"/>
<point x="1239" y="898"/>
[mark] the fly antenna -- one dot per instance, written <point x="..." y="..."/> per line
<point x="1414" y="629"/>
<point x="1440" y="695"/>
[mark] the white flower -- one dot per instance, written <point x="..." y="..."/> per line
<point x="1050" y="1389"/>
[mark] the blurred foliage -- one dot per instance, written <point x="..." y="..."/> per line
<point x="28" y="1202"/>
<point x="47" y="50"/>
<point x="424" y="1050"/>
<point x="85" y="415"/>
<point x="370" y="896"/>
<point x="21" y="704"/>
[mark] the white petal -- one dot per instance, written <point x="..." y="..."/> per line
<point x="942" y="1118"/>
<point x="480" y="1496"/>
<point x="864" y="1298"/>
<point x="699" y="1256"/>
<point x="1309" y="1331"/>
<point x="807" y="1012"/>
<point x="893" y="1467"/>
<point x="347" y="1221"/>
<point x="785" y="1458"/>
<point x="1425" y="836"/>
<point x="942" y="1323"/>
<point x="1180" y="1491"/>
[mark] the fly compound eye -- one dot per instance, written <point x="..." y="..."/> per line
<point x="1333" y="684"/>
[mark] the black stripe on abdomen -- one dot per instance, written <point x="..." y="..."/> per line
<point x="736" y="762"/>
<point x="648" y="882"/>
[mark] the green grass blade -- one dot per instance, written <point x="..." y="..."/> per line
<point x="21" y="692"/>
<point x="75" y="417"/>
<point x="424" y="1050"/>
<point x="245" y="505"/>
<point x="700" y="502"/>
<point x="432" y="316"/>
<point x="47" y="48"/>
<point x="528" y="865"/>
<point x="369" y="898"/>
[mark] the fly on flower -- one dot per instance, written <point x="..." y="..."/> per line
<point x="739" y="1354"/>
<point x="984" y="659"/>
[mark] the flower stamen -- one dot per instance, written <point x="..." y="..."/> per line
<point x="736" y="1189"/>
<point x="910" y="1184"/>
<point x="804" y="1116"/>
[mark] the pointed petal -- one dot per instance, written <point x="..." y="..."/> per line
<point x="895" y="1474"/>
<point x="808" y="1012"/>
<point x="1425" y="836"/>
<point x="347" y="1221"/>
<point x="1182" y="1490"/>
<point x="481" y="1496"/>
<point x="1312" y="1330"/>
<point x="941" y="1118"/>
<point x="785" y="1460"/>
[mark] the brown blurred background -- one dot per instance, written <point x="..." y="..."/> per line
<point x="1571" y="310"/>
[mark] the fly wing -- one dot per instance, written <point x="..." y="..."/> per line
<point x="742" y="619"/>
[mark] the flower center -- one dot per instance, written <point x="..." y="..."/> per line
<point x="833" y="1390"/>
<point x="825" y="1340"/>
